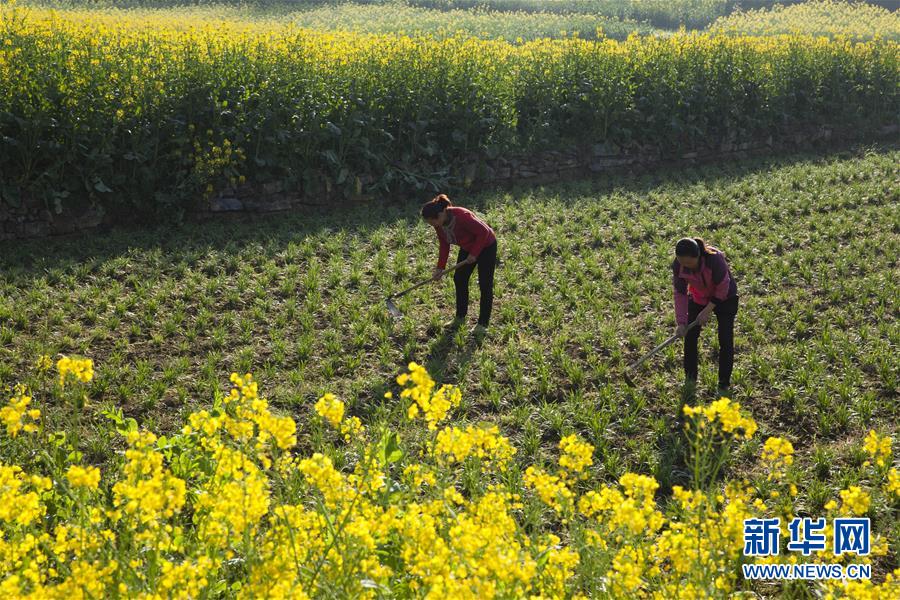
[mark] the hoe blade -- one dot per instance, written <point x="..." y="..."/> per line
<point x="392" y="309"/>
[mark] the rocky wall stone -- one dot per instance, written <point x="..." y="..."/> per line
<point x="31" y="219"/>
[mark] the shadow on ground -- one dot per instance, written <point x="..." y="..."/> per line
<point x="23" y="260"/>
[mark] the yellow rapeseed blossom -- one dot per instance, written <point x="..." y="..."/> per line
<point x="727" y="415"/>
<point x="419" y="387"/>
<point x="250" y="418"/>
<point x="836" y="18"/>
<point x="878" y="447"/>
<point x="16" y="415"/>
<point x="419" y="475"/>
<point x="331" y="409"/>
<point x="576" y="454"/>
<point x="855" y="501"/>
<point x="553" y="490"/>
<point x="278" y="524"/>
<point x="18" y="506"/>
<point x="83" y="477"/>
<point x="320" y="473"/>
<point x="632" y="509"/>
<point x="778" y="455"/>
<point x="456" y="445"/>
<point x="892" y="485"/>
<point x="148" y="492"/>
<point x="81" y="369"/>
<point x="627" y="571"/>
<point x="234" y="500"/>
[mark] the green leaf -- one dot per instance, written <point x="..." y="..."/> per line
<point x="392" y="451"/>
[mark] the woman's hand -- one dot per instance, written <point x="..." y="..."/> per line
<point x="470" y="260"/>
<point x="703" y="317"/>
<point x="437" y="273"/>
<point x="680" y="331"/>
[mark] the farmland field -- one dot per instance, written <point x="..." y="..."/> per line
<point x="583" y="288"/>
<point x="400" y="19"/>
<point x="224" y="408"/>
<point x="827" y="17"/>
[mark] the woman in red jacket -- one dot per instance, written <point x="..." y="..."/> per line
<point x="703" y="284"/>
<point x="477" y="246"/>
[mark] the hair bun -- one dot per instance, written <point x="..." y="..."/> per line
<point x="435" y="205"/>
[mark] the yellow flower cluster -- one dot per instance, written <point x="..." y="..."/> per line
<point x="419" y="475"/>
<point x="456" y="445"/>
<point x="892" y="485"/>
<point x="332" y="410"/>
<point x="727" y="414"/>
<point x="631" y="509"/>
<point x="482" y="557"/>
<point x="246" y="417"/>
<point x="18" y="506"/>
<point x="17" y="416"/>
<point x="83" y="477"/>
<point x="419" y="387"/>
<point x="697" y="547"/>
<point x="215" y="161"/>
<point x="628" y="568"/>
<point x="552" y="490"/>
<point x="855" y="501"/>
<point x="778" y="455"/>
<point x="224" y="509"/>
<point x="184" y="580"/>
<point x="878" y="447"/>
<point x="865" y="589"/>
<point x="321" y="474"/>
<point x="148" y="493"/>
<point x="576" y="455"/>
<point x="234" y="500"/>
<point x="81" y="369"/>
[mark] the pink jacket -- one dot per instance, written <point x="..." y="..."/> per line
<point x="467" y="231"/>
<point x="711" y="281"/>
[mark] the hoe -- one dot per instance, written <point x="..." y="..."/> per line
<point x="633" y="366"/>
<point x="392" y="308"/>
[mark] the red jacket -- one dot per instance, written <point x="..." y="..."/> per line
<point x="465" y="230"/>
<point x="711" y="281"/>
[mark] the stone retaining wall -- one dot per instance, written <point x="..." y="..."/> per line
<point x="544" y="167"/>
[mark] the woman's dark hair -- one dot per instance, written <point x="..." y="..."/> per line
<point x="436" y="206"/>
<point x="692" y="247"/>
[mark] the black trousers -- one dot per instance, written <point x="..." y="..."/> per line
<point x="487" y="262"/>
<point x="725" y="314"/>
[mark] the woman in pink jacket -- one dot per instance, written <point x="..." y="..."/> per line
<point x="703" y="284"/>
<point x="477" y="246"/>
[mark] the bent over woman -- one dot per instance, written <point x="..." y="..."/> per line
<point x="703" y="284"/>
<point x="477" y="246"/>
